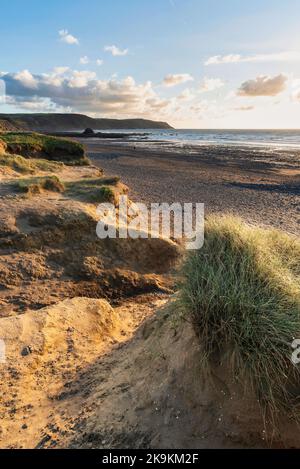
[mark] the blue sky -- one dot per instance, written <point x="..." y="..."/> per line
<point x="195" y="63"/>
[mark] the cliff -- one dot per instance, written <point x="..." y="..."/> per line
<point x="61" y="122"/>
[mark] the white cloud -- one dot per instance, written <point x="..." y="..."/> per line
<point x="27" y="79"/>
<point x="56" y="77"/>
<point x="295" y="88"/>
<point x="295" y="83"/>
<point x="186" y="95"/>
<point x="177" y="79"/>
<point x="115" y="51"/>
<point x="82" y="91"/>
<point x="99" y="62"/>
<point x="296" y="95"/>
<point x="209" y="109"/>
<point x="52" y="79"/>
<point x="34" y="104"/>
<point x="67" y="90"/>
<point x="226" y="59"/>
<point x="84" y="60"/>
<point x="60" y="70"/>
<point x="211" y="84"/>
<point x="289" y="56"/>
<point x="66" y="37"/>
<point x="263" y="86"/>
<point x="157" y="104"/>
<point x="81" y="79"/>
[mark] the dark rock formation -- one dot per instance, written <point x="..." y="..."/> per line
<point x="88" y="132"/>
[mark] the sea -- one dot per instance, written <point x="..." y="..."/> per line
<point x="284" y="139"/>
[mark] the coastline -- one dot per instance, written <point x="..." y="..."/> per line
<point x="235" y="180"/>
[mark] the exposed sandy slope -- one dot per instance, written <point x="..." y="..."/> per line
<point x="128" y="377"/>
<point x="155" y="396"/>
<point x="49" y="353"/>
<point x="49" y="251"/>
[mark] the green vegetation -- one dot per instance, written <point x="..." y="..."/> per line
<point x="33" y="145"/>
<point x="36" y="185"/>
<point x="93" y="190"/>
<point x="103" y="194"/>
<point x="27" y="166"/>
<point x="242" y="293"/>
<point x="51" y="122"/>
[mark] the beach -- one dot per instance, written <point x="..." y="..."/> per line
<point x="89" y="324"/>
<point x="260" y="185"/>
<point x="150" y="231"/>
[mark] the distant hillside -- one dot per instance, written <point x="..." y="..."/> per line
<point x="61" y="122"/>
<point x="7" y="126"/>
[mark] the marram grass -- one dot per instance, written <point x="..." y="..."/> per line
<point x="28" y="166"/>
<point x="242" y="293"/>
<point x="36" y="185"/>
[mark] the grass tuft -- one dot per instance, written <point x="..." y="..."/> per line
<point x="103" y="194"/>
<point x="36" y="185"/>
<point x="242" y="293"/>
<point x="27" y="166"/>
<point x="34" y="145"/>
<point x="94" y="190"/>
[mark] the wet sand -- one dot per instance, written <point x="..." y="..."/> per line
<point x="262" y="187"/>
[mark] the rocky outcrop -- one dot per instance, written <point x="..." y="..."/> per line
<point x="88" y="132"/>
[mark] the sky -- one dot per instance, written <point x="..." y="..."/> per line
<point x="192" y="63"/>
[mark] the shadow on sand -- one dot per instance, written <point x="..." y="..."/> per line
<point x="291" y="189"/>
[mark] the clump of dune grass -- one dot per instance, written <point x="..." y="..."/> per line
<point x="26" y="166"/>
<point x="39" y="184"/>
<point x="102" y="194"/>
<point x="94" y="189"/>
<point x="242" y="294"/>
<point x="35" y="145"/>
